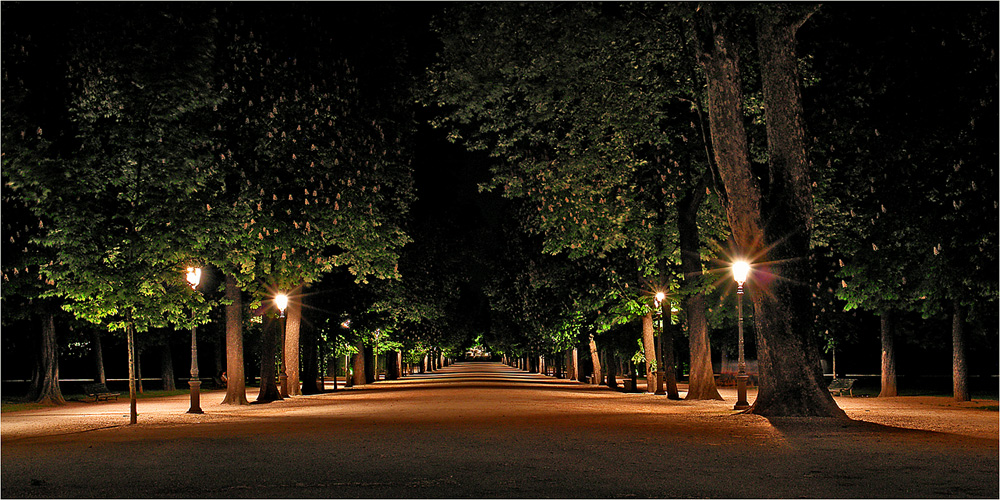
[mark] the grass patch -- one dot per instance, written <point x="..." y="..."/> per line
<point x="7" y="406"/>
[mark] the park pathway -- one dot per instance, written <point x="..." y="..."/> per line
<point x="476" y="430"/>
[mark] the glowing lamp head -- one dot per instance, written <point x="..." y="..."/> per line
<point x="194" y="276"/>
<point x="281" y="300"/>
<point x="659" y="297"/>
<point x="740" y="271"/>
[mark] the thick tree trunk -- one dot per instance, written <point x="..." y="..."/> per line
<point x="701" y="382"/>
<point x="290" y="352"/>
<point x="236" y="389"/>
<point x="98" y="353"/>
<point x="888" y="357"/>
<point x="612" y="364"/>
<point x="596" y="358"/>
<point x="167" y="368"/>
<point x="649" y="349"/>
<point x="268" y="362"/>
<point x="358" y="362"/>
<point x="44" y="386"/>
<point x="572" y="372"/>
<point x="392" y="368"/>
<point x="791" y="380"/>
<point x="959" y="370"/>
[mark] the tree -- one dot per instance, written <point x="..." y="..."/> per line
<point x="117" y="202"/>
<point x="771" y="217"/>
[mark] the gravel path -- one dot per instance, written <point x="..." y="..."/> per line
<point x="488" y="430"/>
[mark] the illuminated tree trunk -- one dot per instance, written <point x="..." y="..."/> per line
<point x="167" y="368"/>
<point x="290" y="352"/>
<point x="888" y="357"/>
<point x="138" y="369"/>
<point x="236" y="389"/>
<point x="98" y="353"/>
<point x="571" y="364"/>
<point x="649" y="350"/>
<point x="959" y="370"/>
<point x="358" y="361"/>
<point x="596" y="358"/>
<point x="701" y="382"/>
<point x="669" y="361"/>
<point x="133" y="415"/>
<point x="44" y="386"/>
<point x="791" y="379"/>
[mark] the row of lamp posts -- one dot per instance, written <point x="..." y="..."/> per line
<point x="741" y="270"/>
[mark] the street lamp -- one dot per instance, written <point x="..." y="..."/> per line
<point x="281" y="300"/>
<point x="193" y="278"/>
<point x="740" y="271"/>
<point x="661" y="372"/>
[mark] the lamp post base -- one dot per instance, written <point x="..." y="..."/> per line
<point x="195" y="397"/>
<point x="741" y="392"/>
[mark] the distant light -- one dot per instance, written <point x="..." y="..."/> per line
<point x="740" y="271"/>
<point x="194" y="276"/>
<point x="346" y="324"/>
<point x="281" y="300"/>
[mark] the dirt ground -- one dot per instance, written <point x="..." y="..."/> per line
<point x="487" y="430"/>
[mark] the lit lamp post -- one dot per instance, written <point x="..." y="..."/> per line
<point x="193" y="278"/>
<point x="281" y="300"/>
<point x="661" y="372"/>
<point x="740" y="271"/>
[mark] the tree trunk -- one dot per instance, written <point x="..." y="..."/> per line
<point x="888" y="357"/>
<point x="167" y="368"/>
<point x="669" y="359"/>
<point x="571" y="364"/>
<point x="268" y="362"/>
<point x="649" y="350"/>
<point x="701" y="382"/>
<point x="290" y="352"/>
<point x="44" y="386"/>
<point x="98" y="352"/>
<point x="596" y="358"/>
<point x="791" y="379"/>
<point x="133" y="415"/>
<point x="612" y="364"/>
<point x="392" y="368"/>
<point x="236" y="389"/>
<point x="358" y="361"/>
<point x="959" y="370"/>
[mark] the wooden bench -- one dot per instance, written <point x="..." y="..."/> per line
<point x="99" y="392"/>
<point x="839" y="386"/>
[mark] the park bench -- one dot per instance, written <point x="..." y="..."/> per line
<point x="839" y="386"/>
<point x="99" y="392"/>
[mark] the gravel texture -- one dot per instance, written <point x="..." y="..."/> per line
<point x="484" y="430"/>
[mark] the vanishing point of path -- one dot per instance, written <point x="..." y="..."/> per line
<point x="488" y="430"/>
